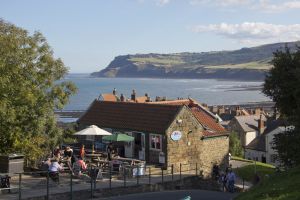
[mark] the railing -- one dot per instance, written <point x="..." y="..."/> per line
<point x="42" y="183"/>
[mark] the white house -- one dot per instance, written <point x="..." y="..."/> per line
<point x="248" y="127"/>
<point x="261" y="148"/>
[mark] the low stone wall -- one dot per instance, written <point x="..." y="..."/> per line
<point x="194" y="182"/>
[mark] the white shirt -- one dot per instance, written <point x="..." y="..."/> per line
<point x="55" y="167"/>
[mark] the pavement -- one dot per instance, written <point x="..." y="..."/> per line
<point x="239" y="182"/>
<point x="177" y="195"/>
<point x="238" y="163"/>
<point x="34" y="186"/>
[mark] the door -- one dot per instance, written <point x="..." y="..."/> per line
<point x="142" y="150"/>
<point x="129" y="147"/>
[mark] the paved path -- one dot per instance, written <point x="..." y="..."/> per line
<point x="37" y="186"/>
<point x="176" y="195"/>
<point x="238" y="163"/>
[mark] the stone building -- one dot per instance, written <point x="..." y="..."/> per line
<point x="164" y="134"/>
<point x="247" y="127"/>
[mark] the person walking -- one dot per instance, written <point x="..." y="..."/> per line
<point x="223" y="181"/>
<point x="231" y="180"/>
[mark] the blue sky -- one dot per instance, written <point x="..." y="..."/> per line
<point x="88" y="34"/>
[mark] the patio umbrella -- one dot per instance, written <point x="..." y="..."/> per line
<point x="92" y="130"/>
<point x="119" y="138"/>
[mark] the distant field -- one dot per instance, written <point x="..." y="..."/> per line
<point x="250" y="65"/>
<point x="158" y="60"/>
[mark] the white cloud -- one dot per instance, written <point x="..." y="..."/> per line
<point x="162" y="2"/>
<point x="220" y="2"/>
<point x="253" y="33"/>
<point x="268" y="6"/>
<point x="262" y="5"/>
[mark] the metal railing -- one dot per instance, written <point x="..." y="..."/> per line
<point x="43" y="183"/>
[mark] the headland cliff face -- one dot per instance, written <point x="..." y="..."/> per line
<point x="244" y="64"/>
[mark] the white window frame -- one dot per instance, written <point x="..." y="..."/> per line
<point x="150" y="142"/>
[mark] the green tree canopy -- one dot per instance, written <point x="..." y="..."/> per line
<point x="29" y="91"/>
<point x="235" y="147"/>
<point x="282" y="84"/>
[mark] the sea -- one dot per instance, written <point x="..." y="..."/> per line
<point x="209" y="91"/>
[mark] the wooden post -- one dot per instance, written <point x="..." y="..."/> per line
<point x="71" y="186"/>
<point x="47" y="197"/>
<point x="180" y="171"/>
<point x="149" y="175"/>
<point x="20" y="183"/>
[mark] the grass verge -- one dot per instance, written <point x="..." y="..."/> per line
<point x="278" y="186"/>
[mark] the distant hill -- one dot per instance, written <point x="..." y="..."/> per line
<point x="243" y="64"/>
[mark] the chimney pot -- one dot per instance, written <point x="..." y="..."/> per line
<point x="133" y="95"/>
<point x="122" y="98"/>
<point x="261" y="124"/>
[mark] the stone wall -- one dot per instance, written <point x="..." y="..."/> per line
<point x="214" y="151"/>
<point x="187" y="149"/>
<point x="192" y="149"/>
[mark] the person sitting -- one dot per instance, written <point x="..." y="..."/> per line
<point x="56" y="152"/>
<point x="68" y="152"/>
<point x="79" y="166"/>
<point x="82" y="152"/>
<point x="54" y="170"/>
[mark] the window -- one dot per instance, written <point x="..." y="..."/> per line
<point x="155" y="142"/>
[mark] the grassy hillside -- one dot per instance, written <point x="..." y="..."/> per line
<point x="244" y="64"/>
<point x="278" y="186"/>
<point x="248" y="172"/>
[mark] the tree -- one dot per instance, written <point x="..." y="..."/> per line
<point x="29" y="92"/>
<point x="282" y="85"/>
<point x="235" y="147"/>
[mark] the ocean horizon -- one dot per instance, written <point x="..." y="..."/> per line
<point x="209" y="91"/>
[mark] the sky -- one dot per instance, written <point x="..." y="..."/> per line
<point x="88" y="34"/>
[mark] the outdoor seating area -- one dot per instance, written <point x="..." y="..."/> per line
<point x="83" y="161"/>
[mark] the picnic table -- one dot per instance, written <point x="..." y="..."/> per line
<point x="99" y="158"/>
<point x="130" y="166"/>
<point x="130" y="161"/>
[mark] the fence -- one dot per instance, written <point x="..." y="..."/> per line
<point x="43" y="183"/>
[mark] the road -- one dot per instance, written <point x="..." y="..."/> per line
<point x="176" y="195"/>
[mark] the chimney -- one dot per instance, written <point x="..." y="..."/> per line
<point x="257" y="111"/>
<point x="122" y="98"/>
<point x="221" y="110"/>
<point x="133" y="95"/>
<point x="148" y="98"/>
<point x="237" y="111"/>
<point x="261" y="125"/>
<point x="114" y="91"/>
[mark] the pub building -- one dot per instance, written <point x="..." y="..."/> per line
<point x="166" y="133"/>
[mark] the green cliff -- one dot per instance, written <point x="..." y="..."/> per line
<point x="243" y="64"/>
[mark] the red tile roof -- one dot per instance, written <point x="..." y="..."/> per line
<point x="141" y="99"/>
<point x="133" y="116"/>
<point x="207" y="121"/>
<point x="203" y="116"/>
<point x="186" y="102"/>
<point x="208" y="133"/>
